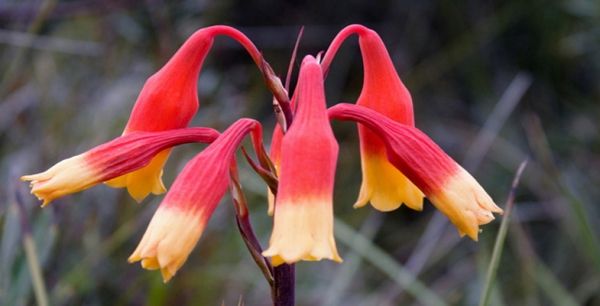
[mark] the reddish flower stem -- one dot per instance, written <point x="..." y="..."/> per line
<point x="337" y="42"/>
<point x="241" y="38"/>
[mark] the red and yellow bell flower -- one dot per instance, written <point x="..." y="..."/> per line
<point x="400" y="164"/>
<point x="112" y="159"/>
<point x="169" y="100"/>
<point x="303" y="221"/>
<point x="184" y="212"/>
<point x="449" y="187"/>
<point x="383" y="185"/>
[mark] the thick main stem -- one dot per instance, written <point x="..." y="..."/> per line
<point x="284" y="290"/>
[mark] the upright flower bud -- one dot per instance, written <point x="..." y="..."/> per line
<point x="449" y="187"/>
<point x="383" y="185"/>
<point x="303" y="221"/>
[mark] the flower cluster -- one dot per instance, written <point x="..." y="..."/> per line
<point x="400" y="164"/>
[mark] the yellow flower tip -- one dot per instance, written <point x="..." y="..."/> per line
<point x="168" y="241"/>
<point x="465" y="203"/>
<point x="145" y="185"/>
<point x="386" y="187"/>
<point x="142" y="182"/>
<point x="134" y="257"/>
<point x="281" y="257"/>
<point x="68" y="176"/>
<point x="276" y="260"/>
<point x="150" y="263"/>
<point x="303" y="231"/>
<point x="46" y="201"/>
<point x="472" y="236"/>
<point x="363" y="196"/>
<point x="359" y="204"/>
<point x="166" y="274"/>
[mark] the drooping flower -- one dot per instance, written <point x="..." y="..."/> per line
<point x="184" y="212"/>
<point x="112" y="159"/>
<point x="383" y="185"/>
<point x="449" y="187"/>
<point x="303" y="221"/>
<point x="169" y="100"/>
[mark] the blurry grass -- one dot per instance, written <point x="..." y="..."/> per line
<point x="352" y="261"/>
<point x="17" y="276"/>
<point x="551" y="285"/>
<point x="431" y="69"/>
<point x="578" y="212"/>
<point x="537" y="271"/>
<point x="39" y="285"/>
<point x="385" y="263"/>
<point x="11" y="71"/>
<point x="473" y="157"/>
<point x="32" y="255"/>
<point x="103" y="250"/>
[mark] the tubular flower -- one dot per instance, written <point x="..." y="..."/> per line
<point x="303" y="222"/>
<point x="383" y="185"/>
<point x="169" y="100"/>
<point x="112" y="159"/>
<point x="182" y="216"/>
<point x="449" y="187"/>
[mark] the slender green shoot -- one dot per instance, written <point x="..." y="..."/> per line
<point x="499" y="245"/>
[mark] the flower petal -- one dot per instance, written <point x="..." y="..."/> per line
<point x="144" y="181"/>
<point x="386" y="187"/>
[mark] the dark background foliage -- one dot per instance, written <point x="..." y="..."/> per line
<point x="492" y="83"/>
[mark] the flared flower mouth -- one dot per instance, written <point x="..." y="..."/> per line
<point x="68" y="176"/>
<point x="170" y="238"/>
<point x="306" y="234"/>
<point x="465" y="203"/>
<point x="140" y="183"/>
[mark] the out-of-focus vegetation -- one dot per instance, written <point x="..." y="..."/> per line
<point x="492" y="82"/>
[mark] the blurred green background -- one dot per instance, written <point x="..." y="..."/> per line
<point x="492" y="83"/>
